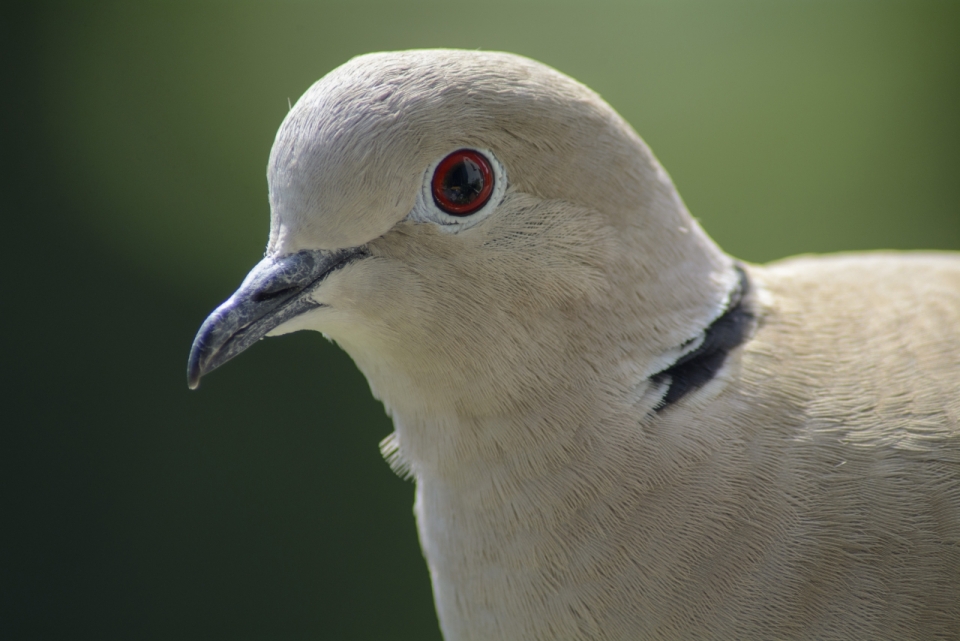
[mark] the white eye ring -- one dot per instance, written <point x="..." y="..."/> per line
<point x="426" y="209"/>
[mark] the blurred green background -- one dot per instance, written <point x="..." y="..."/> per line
<point x="135" y="137"/>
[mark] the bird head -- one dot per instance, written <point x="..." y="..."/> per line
<point x="477" y="230"/>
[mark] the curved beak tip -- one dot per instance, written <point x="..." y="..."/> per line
<point x="194" y="371"/>
<point x="273" y="293"/>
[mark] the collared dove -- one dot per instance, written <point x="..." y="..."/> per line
<point x="617" y="431"/>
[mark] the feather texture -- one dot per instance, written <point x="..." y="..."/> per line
<point x="615" y="431"/>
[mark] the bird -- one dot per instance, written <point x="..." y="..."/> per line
<point x="616" y="430"/>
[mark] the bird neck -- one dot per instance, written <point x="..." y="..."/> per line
<point x="586" y="420"/>
<point x="543" y="385"/>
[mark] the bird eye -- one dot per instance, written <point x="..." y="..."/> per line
<point x="460" y="190"/>
<point x="462" y="182"/>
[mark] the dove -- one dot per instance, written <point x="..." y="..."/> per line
<point x="615" y="429"/>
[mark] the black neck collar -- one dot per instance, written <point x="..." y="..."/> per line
<point x="695" y="369"/>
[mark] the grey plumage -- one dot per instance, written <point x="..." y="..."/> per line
<point x="806" y="487"/>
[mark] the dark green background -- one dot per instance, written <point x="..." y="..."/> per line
<point x="135" y="138"/>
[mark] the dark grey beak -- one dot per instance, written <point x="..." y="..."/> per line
<point x="274" y="291"/>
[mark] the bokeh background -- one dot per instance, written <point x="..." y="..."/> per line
<point x="135" y="137"/>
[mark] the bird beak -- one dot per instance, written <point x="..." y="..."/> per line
<point x="274" y="291"/>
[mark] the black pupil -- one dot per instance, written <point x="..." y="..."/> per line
<point x="463" y="183"/>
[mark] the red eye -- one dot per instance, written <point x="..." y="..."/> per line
<point x="463" y="182"/>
